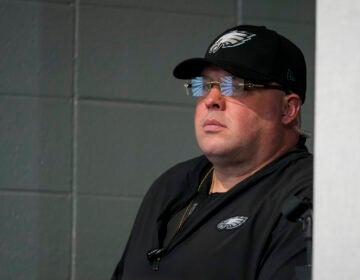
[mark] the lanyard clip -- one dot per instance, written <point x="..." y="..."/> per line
<point x="154" y="257"/>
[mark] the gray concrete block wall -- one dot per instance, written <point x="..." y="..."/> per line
<point x="90" y="115"/>
<point x="36" y="138"/>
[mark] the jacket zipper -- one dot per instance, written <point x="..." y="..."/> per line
<point x="154" y="255"/>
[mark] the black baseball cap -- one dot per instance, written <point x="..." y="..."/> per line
<point x="254" y="53"/>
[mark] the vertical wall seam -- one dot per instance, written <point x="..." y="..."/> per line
<point x="75" y="142"/>
<point x="239" y="12"/>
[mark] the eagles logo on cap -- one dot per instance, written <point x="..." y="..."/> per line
<point x="231" y="39"/>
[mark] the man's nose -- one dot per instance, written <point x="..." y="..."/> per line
<point x="214" y="99"/>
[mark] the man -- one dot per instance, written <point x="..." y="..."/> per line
<point x="220" y="216"/>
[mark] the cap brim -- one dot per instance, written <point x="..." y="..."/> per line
<point x="193" y="67"/>
<point x="190" y="68"/>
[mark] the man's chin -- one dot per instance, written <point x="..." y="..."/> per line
<point x="215" y="154"/>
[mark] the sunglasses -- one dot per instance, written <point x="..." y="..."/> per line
<point x="229" y="86"/>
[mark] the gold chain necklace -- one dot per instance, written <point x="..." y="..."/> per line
<point x="183" y="218"/>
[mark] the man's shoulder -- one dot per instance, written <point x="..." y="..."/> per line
<point x="294" y="176"/>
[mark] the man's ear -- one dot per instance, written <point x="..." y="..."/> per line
<point x="292" y="105"/>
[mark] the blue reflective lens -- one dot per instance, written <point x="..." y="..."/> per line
<point x="226" y="85"/>
<point x="197" y="86"/>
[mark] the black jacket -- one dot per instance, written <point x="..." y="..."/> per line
<point x="241" y="234"/>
